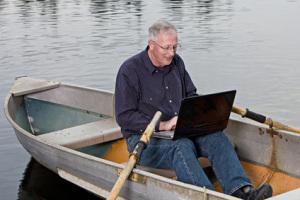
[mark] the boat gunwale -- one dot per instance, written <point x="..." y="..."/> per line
<point x="7" y="98"/>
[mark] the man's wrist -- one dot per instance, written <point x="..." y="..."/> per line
<point x="162" y="126"/>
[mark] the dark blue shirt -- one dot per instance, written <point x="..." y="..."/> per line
<point x="142" y="89"/>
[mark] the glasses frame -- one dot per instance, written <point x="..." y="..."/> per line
<point x="167" y="47"/>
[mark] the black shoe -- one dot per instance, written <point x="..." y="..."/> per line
<point x="249" y="193"/>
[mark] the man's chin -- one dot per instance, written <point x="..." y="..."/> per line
<point x="168" y="62"/>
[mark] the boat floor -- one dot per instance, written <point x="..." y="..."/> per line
<point x="281" y="182"/>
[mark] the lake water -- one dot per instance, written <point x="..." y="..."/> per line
<point x="250" y="45"/>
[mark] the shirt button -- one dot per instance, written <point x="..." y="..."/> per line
<point x="141" y="130"/>
<point x="170" y="101"/>
<point x="167" y="87"/>
<point x="156" y="71"/>
<point x="150" y="98"/>
<point x="175" y="113"/>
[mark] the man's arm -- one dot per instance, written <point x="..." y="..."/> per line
<point x="128" y="116"/>
<point x="168" y="125"/>
<point x="189" y="85"/>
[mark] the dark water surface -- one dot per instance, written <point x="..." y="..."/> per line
<point x="40" y="183"/>
<point x="250" y="45"/>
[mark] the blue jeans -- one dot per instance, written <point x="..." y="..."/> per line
<point x="181" y="155"/>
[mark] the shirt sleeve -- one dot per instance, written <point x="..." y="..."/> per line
<point x="191" y="90"/>
<point x="128" y="116"/>
<point x="189" y="87"/>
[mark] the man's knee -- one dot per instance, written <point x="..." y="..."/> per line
<point x="217" y="138"/>
<point x="185" y="145"/>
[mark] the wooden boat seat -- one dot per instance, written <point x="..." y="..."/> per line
<point x="84" y="135"/>
<point x="118" y="153"/>
<point x="170" y="173"/>
<point x="27" y="85"/>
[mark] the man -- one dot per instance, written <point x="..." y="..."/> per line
<point x="156" y="79"/>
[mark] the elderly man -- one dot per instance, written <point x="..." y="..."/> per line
<point x="156" y="79"/>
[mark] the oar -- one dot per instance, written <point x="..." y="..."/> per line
<point x="134" y="156"/>
<point x="263" y="119"/>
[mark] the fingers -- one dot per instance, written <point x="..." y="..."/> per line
<point x="173" y="122"/>
<point x="168" y="125"/>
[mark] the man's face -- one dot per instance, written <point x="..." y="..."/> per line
<point x="163" y="48"/>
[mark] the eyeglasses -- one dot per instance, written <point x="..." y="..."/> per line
<point x="167" y="47"/>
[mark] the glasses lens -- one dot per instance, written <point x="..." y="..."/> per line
<point x="168" y="47"/>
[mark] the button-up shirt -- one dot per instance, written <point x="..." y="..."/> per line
<point x="142" y="89"/>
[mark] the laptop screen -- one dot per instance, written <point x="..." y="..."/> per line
<point x="204" y="114"/>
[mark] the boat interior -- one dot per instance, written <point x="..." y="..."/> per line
<point x="85" y="122"/>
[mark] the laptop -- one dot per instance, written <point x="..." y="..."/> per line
<point x="201" y="115"/>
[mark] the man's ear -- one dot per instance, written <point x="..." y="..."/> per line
<point x="150" y="44"/>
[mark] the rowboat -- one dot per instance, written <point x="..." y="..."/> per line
<point x="71" y="130"/>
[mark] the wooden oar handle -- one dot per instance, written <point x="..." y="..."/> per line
<point x="150" y="128"/>
<point x="141" y="145"/>
<point x="249" y="114"/>
<point x="134" y="156"/>
<point x="263" y="119"/>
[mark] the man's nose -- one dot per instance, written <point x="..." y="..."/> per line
<point x="171" y="52"/>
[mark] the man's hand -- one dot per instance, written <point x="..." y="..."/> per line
<point x="168" y="125"/>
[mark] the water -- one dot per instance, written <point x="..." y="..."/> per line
<point x="40" y="183"/>
<point x="251" y="46"/>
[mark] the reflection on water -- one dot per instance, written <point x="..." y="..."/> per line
<point x="250" y="45"/>
<point x="41" y="183"/>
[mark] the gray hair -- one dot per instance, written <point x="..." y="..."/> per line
<point x="158" y="26"/>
